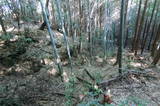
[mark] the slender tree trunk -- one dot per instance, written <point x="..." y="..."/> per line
<point x="64" y="33"/>
<point x="138" y="35"/>
<point x="100" y="18"/>
<point x="149" y="26"/>
<point x="2" y="25"/>
<point x="152" y="35"/>
<point x="154" y="45"/>
<point x="18" y="20"/>
<point x="137" y="25"/>
<point x="52" y="37"/>
<point x="157" y="57"/>
<point x="154" y="27"/>
<point x="127" y="34"/>
<point x="89" y="29"/>
<point x="80" y="26"/>
<point x="144" y="31"/>
<point x="54" y="23"/>
<point x="125" y="21"/>
<point x="70" y="19"/>
<point x="120" y="39"/>
<point x="44" y="23"/>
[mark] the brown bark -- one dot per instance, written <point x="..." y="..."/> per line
<point x="157" y="57"/>
<point x="54" y="23"/>
<point x="80" y="26"/>
<point x="125" y="22"/>
<point x="155" y="43"/>
<point x="43" y="25"/>
<point x="138" y="35"/>
<point x="137" y="25"/>
<point x="145" y="30"/>
<point x="148" y="28"/>
<point x="153" y="28"/>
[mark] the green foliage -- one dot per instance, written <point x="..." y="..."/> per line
<point x="6" y="37"/>
<point x="94" y="91"/>
<point x="93" y="95"/>
<point x="23" y="42"/>
<point x="26" y="40"/>
<point x="91" y="102"/>
<point x="70" y="90"/>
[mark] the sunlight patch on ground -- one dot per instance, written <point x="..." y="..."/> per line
<point x="14" y="38"/>
<point x="65" y="77"/>
<point x="113" y="60"/>
<point x="52" y="72"/>
<point x="18" y="69"/>
<point x="2" y="43"/>
<point x="2" y="70"/>
<point x="98" y="59"/>
<point x="58" y="34"/>
<point x="48" y="61"/>
<point x="10" y="29"/>
<point x="135" y="64"/>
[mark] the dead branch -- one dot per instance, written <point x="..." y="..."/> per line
<point x="83" y="81"/>
<point x="89" y="74"/>
<point x="62" y="94"/>
<point x="103" y="84"/>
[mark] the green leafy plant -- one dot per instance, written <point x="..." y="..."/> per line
<point x="23" y="41"/>
<point x="6" y="37"/>
<point x="69" y="91"/>
<point x="91" y="102"/>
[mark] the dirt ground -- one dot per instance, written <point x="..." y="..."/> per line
<point x="30" y="79"/>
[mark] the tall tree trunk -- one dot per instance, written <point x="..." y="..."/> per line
<point x="127" y="35"/>
<point x="52" y="37"/>
<point x="138" y="35"/>
<point x="125" y="22"/>
<point x="154" y="45"/>
<point x="54" y="23"/>
<point x="70" y="19"/>
<point x="157" y="57"/>
<point x="80" y="26"/>
<point x="89" y="28"/>
<point x="154" y="27"/>
<point x="64" y="32"/>
<point x="44" y="23"/>
<point x="146" y="25"/>
<point x="148" y="28"/>
<point x="137" y="25"/>
<point x="120" y="39"/>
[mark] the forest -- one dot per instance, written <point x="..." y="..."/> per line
<point x="79" y="52"/>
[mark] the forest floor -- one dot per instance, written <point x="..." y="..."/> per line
<point x="28" y="75"/>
